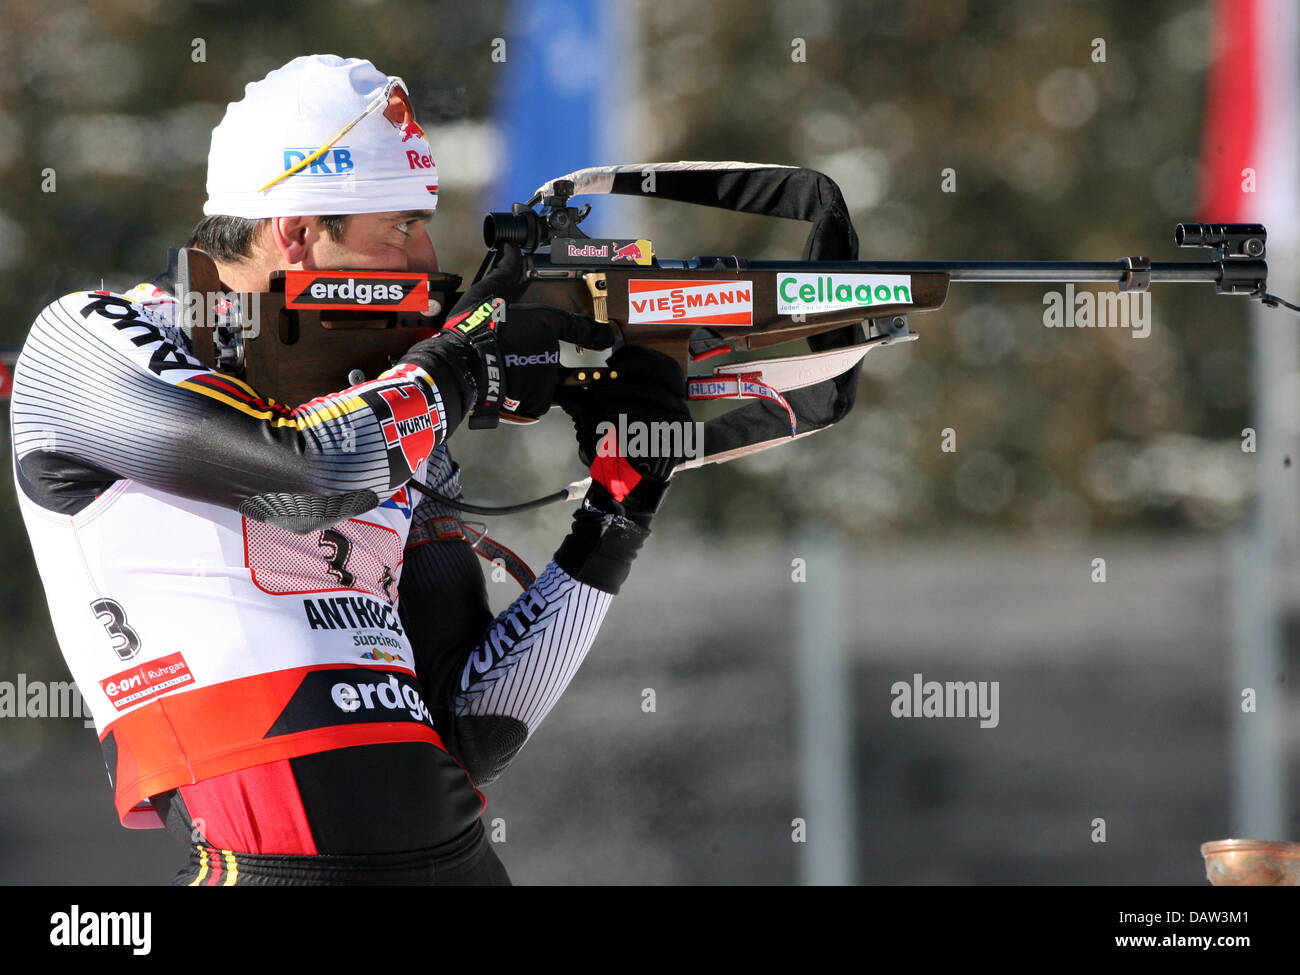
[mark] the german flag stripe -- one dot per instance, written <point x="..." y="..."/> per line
<point x="232" y="868"/>
<point x="241" y="404"/>
<point x="320" y="413"/>
<point x="214" y="880"/>
<point x="203" y="868"/>
<point x="239" y="390"/>
<point x="237" y="387"/>
<point x="239" y="383"/>
<point x="227" y="384"/>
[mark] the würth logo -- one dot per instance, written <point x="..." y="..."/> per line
<point x="410" y="426"/>
<point x="406" y="428"/>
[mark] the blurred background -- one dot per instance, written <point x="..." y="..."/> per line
<point x="956" y="129"/>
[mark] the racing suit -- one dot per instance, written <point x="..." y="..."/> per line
<point x="283" y="657"/>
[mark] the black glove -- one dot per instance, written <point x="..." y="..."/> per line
<point x="635" y="429"/>
<point x="646" y="405"/>
<point x="518" y="346"/>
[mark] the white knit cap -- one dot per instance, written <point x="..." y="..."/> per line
<point x="381" y="162"/>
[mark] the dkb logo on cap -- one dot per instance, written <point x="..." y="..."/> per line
<point x="335" y="162"/>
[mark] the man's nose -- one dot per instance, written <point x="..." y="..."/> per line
<point x="420" y="255"/>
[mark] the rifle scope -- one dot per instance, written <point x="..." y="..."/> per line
<point x="529" y="229"/>
<point x="524" y="229"/>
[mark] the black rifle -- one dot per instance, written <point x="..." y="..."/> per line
<point x="697" y="308"/>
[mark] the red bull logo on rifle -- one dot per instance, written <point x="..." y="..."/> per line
<point x="633" y="252"/>
<point x="579" y="250"/>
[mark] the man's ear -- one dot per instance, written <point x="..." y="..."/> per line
<point x="291" y="237"/>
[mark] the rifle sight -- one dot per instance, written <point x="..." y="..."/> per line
<point x="1229" y="239"/>
<point x="530" y="229"/>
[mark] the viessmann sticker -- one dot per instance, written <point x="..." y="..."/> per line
<point x="147" y="680"/>
<point x="690" y="302"/>
<point x="812" y="293"/>
<point x="356" y="290"/>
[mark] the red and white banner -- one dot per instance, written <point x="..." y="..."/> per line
<point x="1251" y="169"/>
<point x="1250" y="152"/>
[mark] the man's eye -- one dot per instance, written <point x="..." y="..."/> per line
<point x="404" y="227"/>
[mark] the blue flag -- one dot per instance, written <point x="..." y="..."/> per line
<point x="562" y="82"/>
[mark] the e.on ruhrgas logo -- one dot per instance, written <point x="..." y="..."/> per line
<point x="690" y="302"/>
<point x="148" y="680"/>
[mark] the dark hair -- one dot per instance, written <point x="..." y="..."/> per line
<point x="230" y="239"/>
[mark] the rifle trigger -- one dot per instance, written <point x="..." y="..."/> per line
<point x="598" y="289"/>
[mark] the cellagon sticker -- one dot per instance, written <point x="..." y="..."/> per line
<point x="812" y="293"/>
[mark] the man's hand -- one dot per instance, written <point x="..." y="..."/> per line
<point x="647" y="402"/>
<point x="518" y="345"/>
<point x="632" y="430"/>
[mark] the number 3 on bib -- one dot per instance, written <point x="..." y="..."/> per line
<point x="354" y="555"/>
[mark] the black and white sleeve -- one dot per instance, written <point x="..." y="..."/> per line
<point x="493" y="680"/>
<point x="103" y="391"/>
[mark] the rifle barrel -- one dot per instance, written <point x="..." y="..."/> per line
<point x="1009" y="271"/>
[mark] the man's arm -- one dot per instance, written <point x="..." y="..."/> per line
<point x="102" y="393"/>
<point x="492" y="683"/>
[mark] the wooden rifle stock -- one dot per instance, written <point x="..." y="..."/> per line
<point x="605" y="293"/>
